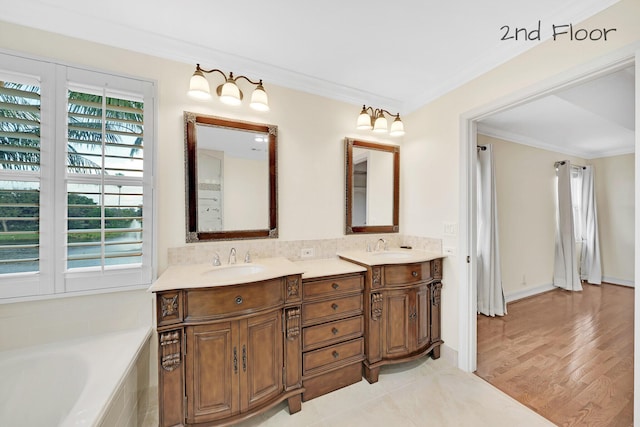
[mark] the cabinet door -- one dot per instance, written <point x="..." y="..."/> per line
<point x="260" y="359"/>
<point x="396" y="339"/>
<point x="421" y="316"/>
<point x="212" y="369"/>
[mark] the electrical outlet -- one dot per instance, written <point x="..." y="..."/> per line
<point x="307" y="253"/>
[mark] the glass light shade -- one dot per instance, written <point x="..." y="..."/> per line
<point x="259" y="100"/>
<point x="230" y="93"/>
<point x="364" y="121"/>
<point x="397" y="127"/>
<point x="199" y="86"/>
<point x="380" y="125"/>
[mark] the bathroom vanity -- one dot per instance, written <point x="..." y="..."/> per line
<point x="229" y="342"/>
<point x="401" y="306"/>
<point x="235" y="340"/>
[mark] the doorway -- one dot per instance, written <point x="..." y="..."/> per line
<point x="467" y="266"/>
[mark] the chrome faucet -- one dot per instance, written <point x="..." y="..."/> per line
<point x="247" y="257"/>
<point x="216" y="259"/>
<point x="384" y="245"/>
<point x="232" y="256"/>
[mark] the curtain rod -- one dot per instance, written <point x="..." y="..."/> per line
<point x="556" y="164"/>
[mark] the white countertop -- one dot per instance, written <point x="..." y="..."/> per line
<point x="328" y="267"/>
<point x="391" y="256"/>
<point x="207" y="275"/>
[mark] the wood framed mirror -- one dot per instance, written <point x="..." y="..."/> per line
<point x="231" y="179"/>
<point x="372" y="187"/>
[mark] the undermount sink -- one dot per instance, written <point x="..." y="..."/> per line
<point x="391" y="255"/>
<point x="234" y="271"/>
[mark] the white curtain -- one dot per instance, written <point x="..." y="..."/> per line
<point x="491" y="300"/>
<point x="590" y="268"/>
<point x="565" y="268"/>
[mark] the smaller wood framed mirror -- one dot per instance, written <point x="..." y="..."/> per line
<point x="231" y="179"/>
<point x="372" y="187"/>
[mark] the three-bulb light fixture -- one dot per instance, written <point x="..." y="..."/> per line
<point x="375" y="119"/>
<point x="229" y="92"/>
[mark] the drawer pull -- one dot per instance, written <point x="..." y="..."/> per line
<point x="414" y="273"/>
<point x="335" y="286"/>
<point x="334" y="331"/>
<point x="238" y="300"/>
<point x="335" y="354"/>
<point x="334" y="306"/>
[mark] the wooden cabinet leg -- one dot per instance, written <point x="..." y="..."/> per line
<point x="435" y="353"/>
<point x="371" y="374"/>
<point x="295" y="403"/>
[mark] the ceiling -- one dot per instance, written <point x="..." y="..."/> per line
<point x="589" y="120"/>
<point x="394" y="55"/>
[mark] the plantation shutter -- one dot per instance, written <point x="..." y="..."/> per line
<point x="104" y="185"/>
<point x="20" y="191"/>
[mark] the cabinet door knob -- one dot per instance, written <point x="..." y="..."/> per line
<point x="335" y="354"/>
<point x="335" y="286"/>
<point x="334" y="306"/>
<point x="238" y="300"/>
<point x="334" y="331"/>
<point x="414" y="273"/>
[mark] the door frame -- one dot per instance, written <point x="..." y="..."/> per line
<point x="467" y="268"/>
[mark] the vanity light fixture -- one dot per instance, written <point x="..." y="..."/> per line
<point x="375" y="119"/>
<point x="229" y="92"/>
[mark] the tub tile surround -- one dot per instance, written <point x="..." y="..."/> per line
<point x="198" y="253"/>
<point x="29" y="323"/>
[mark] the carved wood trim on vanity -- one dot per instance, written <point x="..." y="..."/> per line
<point x="170" y="350"/>
<point x="376" y="306"/>
<point x="376" y="277"/>
<point x="293" y="322"/>
<point x="293" y="287"/>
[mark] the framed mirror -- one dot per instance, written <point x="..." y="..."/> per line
<point x="372" y="187"/>
<point x="231" y="179"/>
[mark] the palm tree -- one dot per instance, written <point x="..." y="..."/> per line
<point x="20" y="127"/>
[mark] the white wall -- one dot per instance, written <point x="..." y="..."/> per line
<point x="525" y="187"/>
<point x="614" y="179"/>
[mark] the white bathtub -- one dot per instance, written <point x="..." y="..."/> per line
<point x="70" y="383"/>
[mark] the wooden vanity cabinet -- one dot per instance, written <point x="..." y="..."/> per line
<point x="332" y="333"/>
<point x="402" y="314"/>
<point x="227" y="353"/>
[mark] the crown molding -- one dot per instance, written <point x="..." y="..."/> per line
<point x="508" y="136"/>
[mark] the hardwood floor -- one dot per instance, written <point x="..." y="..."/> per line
<point x="566" y="355"/>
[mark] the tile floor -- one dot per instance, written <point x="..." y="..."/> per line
<point x="421" y="393"/>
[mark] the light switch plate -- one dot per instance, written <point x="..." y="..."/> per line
<point x="450" y="229"/>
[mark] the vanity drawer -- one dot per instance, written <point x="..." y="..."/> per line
<point x="212" y="303"/>
<point x="331" y="309"/>
<point x="406" y="273"/>
<point x="332" y="332"/>
<point x="325" y="358"/>
<point x="322" y="288"/>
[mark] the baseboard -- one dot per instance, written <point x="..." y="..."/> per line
<point x="449" y="355"/>
<point x="621" y="282"/>
<point x="514" y="296"/>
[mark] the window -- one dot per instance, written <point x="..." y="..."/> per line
<point x="75" y="179"/>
